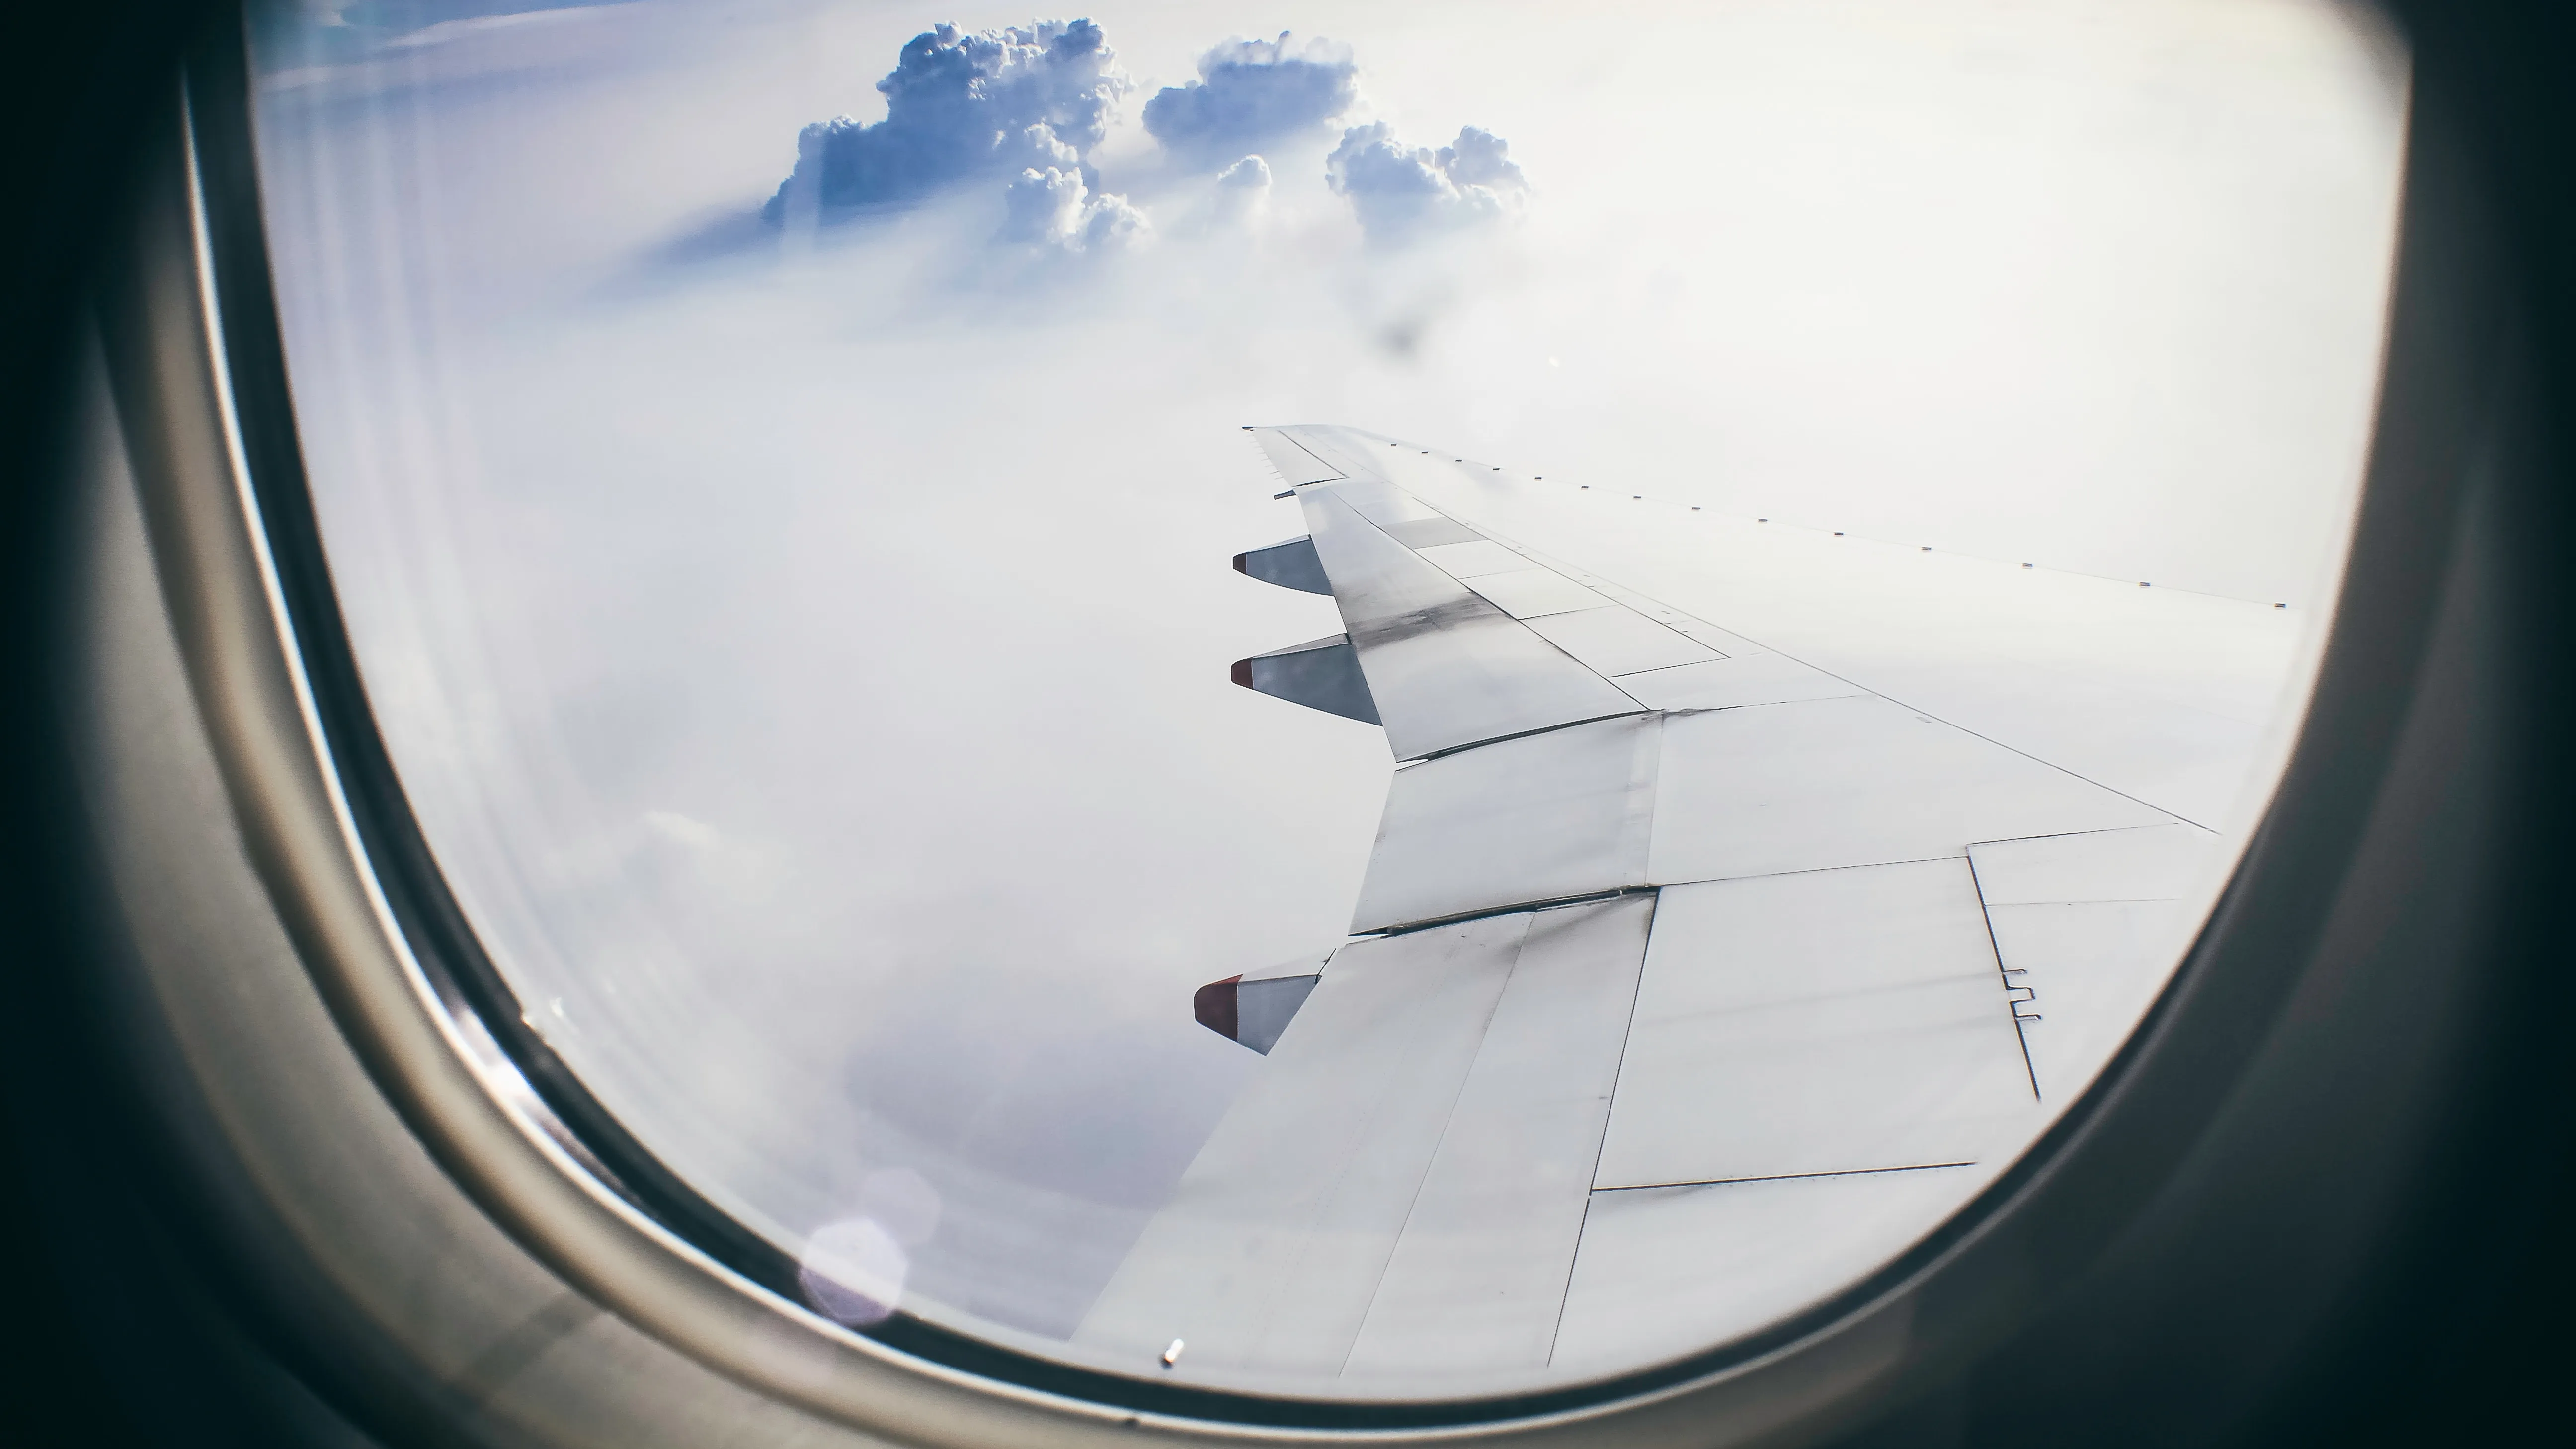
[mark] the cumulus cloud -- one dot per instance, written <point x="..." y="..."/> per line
<point x="1250" y="93"/>
<point x="961" y="106"/>
<point x="1403" y="194"/>
<point x="1243" y="191"/>
<point x="1054" y="208"/>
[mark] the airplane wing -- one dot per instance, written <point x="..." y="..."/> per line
<point x="1688" y="980"/>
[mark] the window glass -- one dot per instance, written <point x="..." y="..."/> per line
<point x="1819" y="518"/>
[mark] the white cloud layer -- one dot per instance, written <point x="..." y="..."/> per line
<point x="1251" y="93"/>
<point x="1404" y="194"/>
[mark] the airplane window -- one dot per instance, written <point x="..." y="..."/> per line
<point x="1339" y="701"/>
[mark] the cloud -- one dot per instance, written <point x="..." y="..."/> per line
<point x="1251" y="93"/>
<point x="1053" y="208"/>
<point x="961" y="106"/>
<point x="1243" y="192"/>
<point x="1401" y="195"/>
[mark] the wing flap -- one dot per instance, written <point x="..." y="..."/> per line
<point x="1446" y="668"/>
<point x="1547" y="817"/>
<point x="1664" y="1267"/>
<point x="1272" y="1246"/>
<point x="1478" y="1276"/>
<point x="1465" y="1072"/>
<point x="1855" y="1018"/>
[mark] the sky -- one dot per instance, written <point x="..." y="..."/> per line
<point x="788" y="554"/>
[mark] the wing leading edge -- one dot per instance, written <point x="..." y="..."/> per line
<point x="1692" y="982"/>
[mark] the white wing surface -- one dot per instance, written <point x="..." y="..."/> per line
<point x="1690" y="980"/>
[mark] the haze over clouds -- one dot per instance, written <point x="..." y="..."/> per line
<point x="961" y="106"/>
<point x="1251" y="93"/>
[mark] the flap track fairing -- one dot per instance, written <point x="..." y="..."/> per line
<point x="1319" y="674"/>
<point x="1254" y="1013"/>
<point x="1290" y="565"/>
